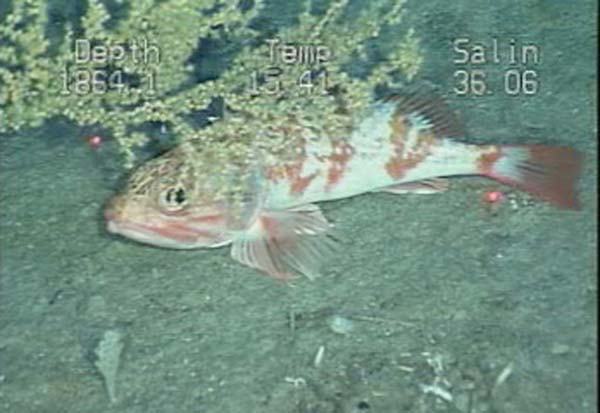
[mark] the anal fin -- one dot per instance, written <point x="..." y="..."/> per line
<point x="426" y="186"/>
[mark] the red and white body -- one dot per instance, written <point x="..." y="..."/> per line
<point x="402" y="144"/>
<point x="364" y="162"/>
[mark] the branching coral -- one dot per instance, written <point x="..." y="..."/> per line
<point x="305" y="71"/>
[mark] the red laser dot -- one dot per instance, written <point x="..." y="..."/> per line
<point x="493" y="196"/>
<point x="95" y="141"/>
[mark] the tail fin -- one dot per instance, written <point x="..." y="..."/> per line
<point x="549" y="172"/>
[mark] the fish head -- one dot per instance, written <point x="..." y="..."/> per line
<point x="172" y="202"/>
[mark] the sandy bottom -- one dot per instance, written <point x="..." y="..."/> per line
<point x="434" y="303"/>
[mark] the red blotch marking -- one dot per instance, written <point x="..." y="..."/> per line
<point x="487" y="159"/>
<point x="400" y="163"/>
<point x="180" y="232"/>
<point x="396" y="167"/>
<point x="404" y="158"/>
<point x="341" y="153"/>
<point x="398" y="125"/>
<point x="292" y="173"/>
<point x="298" y="183"/>
<point x="208" y="219"/>
<point x="275" y="173"/>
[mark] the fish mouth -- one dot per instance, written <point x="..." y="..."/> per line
<point x="159" y="237"/>
<point x="163" y="231"/>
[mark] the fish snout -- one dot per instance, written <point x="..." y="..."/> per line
<point x="113" y="210"/>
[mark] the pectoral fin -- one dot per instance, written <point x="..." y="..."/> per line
<point x="427" y="186"/>
<point x="282" y="243"/>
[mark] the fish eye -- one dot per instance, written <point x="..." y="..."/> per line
<point x="174" y="198"/>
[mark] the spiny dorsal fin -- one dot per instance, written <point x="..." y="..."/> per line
<point x="425" y="103"/>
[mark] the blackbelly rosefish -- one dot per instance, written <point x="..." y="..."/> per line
<point x="265" y="207"/>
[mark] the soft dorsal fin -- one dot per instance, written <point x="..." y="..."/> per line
<point x="424" y="103"/>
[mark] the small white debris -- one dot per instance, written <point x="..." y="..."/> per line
<point x="109" y="353"/>
<point x="296" y="381"/>
<point x="340" y="325"/>
<point x="502" y="377"/>
<point x="407" y="369"/>
<point x="559" y="349"/>
<point x="436" y="362"/>
<point x="438" y="391"/>
<point x="319" y="356"/>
